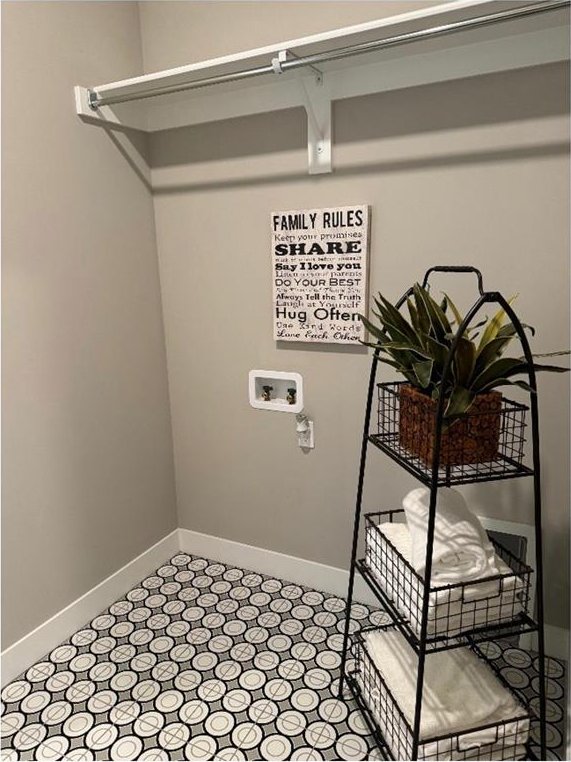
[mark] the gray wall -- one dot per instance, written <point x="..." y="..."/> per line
<point x="471" y="171"/>
<point x="87" y="451"/>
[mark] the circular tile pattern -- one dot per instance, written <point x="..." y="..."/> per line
<point x="515" y="677"/>
<point x="219" y="723"/>
<point x="553" y="689"/>
<point x="11" y="723"/>
<point x="146" y="690"/>
<point x="81" y="754"/>
<point x="29" y="737"/>
<point x="174" y="735"/>
<point x="161" y="644"/>
<point x="124" y="681"/>
<point x="263" y="711"/>
<point x="154" y="754"/>
<point x="80" y="691"/>
<point x="291" y="722"/>
<point x="275" y="747"/>
<point x="148" y="724"/>
<point x="201" y="747"/>
<point x="169" y="701"/>
<point x="40" y="672"/>
<point x="266" y="660"/>
<point x="193" y="711"/>
<point x="16" y="691"/>
<point x="102" y="736"/>
<point x="60" y="681"/>
<point x="246" y="735"/>
<point x="78" y="724"/>
<point x="228" y="670"/>
<point x="212" y="690"/>
<point x="305" y="700"/>
<point x="243" y="652"/>
<point x="328" y="660"/>
<point x="182" y="652"/>
<point x="101" y="702"/>
<point x="351" y="746"/>
<point x="64" y="653"/>
<point x="128" y="748"/>
<point x="204" y="661"/>
<point x="125" y="712"/>
<point x="303" y="651"/>
<point x="188" y="680"/>
<point x="178" y="629"/>
<point x="165" y="670"/>
<point x="320" y="735"/>
<point x="291" y="669"/>
<point x="553" y="668"/>
<point x="34" y="702"/>
<point x="306" y="753"/>
<point x="237" y="700"/>
<point x="56" y="712"/>
<point x="53" y="747"/>
<point x="229" y="752"/>
<point x="102" y="671"/>
<point x="122" y="629"/>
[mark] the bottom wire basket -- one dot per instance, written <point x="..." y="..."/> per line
<point x="503" y="739"/>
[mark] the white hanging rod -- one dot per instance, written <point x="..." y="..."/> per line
<point x="96" y="100"/>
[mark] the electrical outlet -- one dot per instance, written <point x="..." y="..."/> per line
<point x="306" y="439"/>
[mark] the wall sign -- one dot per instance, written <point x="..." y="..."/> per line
<point x="319" y="260"/>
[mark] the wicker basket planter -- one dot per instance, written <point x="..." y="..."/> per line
<point x="472" y="438"/>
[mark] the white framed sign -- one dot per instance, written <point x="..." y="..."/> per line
<point x="319" y="272"/>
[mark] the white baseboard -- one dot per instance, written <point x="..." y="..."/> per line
<point x="29" y="649"/>
<point x="328" y="579"/>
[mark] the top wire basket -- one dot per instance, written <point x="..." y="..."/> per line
<point x="484" y="444"/>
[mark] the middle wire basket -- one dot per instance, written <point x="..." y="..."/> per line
<point x="464" y="608"/>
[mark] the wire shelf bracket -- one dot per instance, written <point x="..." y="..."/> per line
<point x="457" y="39"/>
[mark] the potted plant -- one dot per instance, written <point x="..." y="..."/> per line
<point x="418" y="347"/>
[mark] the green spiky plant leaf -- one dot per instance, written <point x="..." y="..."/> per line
<point x="418" y="347"/>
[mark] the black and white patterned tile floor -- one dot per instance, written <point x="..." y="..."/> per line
<point x="208" y="661"/>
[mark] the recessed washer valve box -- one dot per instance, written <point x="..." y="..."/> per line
<point x="276" y="390"/>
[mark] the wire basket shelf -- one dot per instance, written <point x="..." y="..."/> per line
<point x="507" y="739"/>
<point x="458" y="613"/>
<point x="495" y="436"/>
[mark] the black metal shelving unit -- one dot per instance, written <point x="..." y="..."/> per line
<point x="426" y="628"/>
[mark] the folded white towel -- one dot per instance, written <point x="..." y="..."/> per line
<point x="462" y="549"/>
<point x="460" y="693"/>
<point x="450" y="610"/>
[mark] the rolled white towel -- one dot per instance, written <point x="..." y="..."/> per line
<point x="462" y="550"/>
<point x="451" y="609"/>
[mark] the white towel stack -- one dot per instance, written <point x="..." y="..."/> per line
<point x="450" y="610"/>
<point x="462" y="552"/>
<point x="460" y="694"/>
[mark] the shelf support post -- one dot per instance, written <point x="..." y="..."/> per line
<point x="317" y="104"/>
